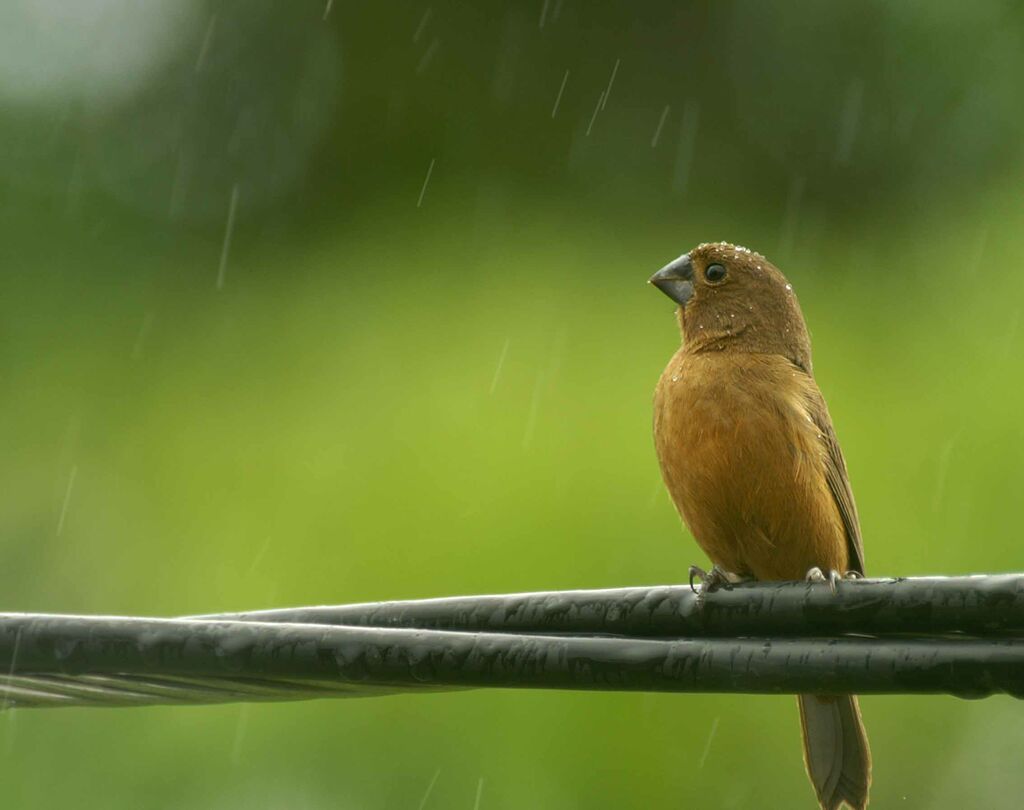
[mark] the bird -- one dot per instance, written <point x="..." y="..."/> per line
<point x="751" y="461"/>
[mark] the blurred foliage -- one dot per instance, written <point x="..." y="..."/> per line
<point x="387" y="399"/>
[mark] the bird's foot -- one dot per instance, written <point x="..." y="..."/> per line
<point x="832" y="578"/>
<point x="711" y="581"/>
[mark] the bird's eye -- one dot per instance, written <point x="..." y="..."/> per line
<point x="714" y="273"/>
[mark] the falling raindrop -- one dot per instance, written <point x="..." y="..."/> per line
<point x="558" y="98"/>
<point x="501" y="363"/>
<point x="423" y="24"/>
<point x="428" y="56"/>
<point x="228" y="230"/>
<point x="661" y="123"/>
<point x="207" y="39"/>
<point x="426" y="180"/>
<point x="67" y="499"/>
<point x="611" y="79"/>
<point x="259" y="555"/>
<point x="430" y="788"/>
<point x="707" y="745"/>
<point x="597" y="107"/>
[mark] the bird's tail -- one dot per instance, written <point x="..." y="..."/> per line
<point x="836" y="750"/>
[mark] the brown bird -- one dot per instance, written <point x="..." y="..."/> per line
<point x="751" y="460"/>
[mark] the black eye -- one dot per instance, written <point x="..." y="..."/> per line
<point x="714" y="273"/>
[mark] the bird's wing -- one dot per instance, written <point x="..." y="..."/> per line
<point x="839" y="482"/>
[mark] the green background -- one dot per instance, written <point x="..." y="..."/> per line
<point x="385" y="399"/>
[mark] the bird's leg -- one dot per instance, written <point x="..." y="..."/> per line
<point x="833" y="577"/>
<point x="717" y="577"/>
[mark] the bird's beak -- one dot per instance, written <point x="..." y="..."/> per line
<point x="675" y="279"/>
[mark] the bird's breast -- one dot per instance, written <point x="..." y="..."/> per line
<point x="744" y="464"/>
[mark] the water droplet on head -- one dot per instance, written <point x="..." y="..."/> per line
<point x="789" y="287"/>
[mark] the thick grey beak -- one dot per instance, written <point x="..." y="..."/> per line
<point x="675" y="279"/>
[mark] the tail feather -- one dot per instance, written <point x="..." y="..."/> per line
<point x="836" y="750"/>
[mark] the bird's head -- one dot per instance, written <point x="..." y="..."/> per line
<point x="732" y="299"/>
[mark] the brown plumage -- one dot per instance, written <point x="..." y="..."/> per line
<point x="751" y="460"/>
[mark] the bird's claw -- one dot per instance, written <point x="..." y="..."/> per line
<point x="710" y="581"/>
<point x="696" y="572"/>
<point x="832" y="578"/>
